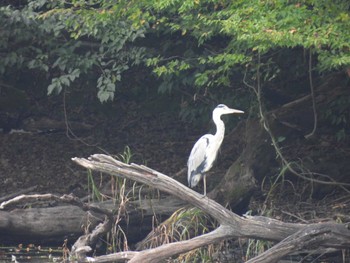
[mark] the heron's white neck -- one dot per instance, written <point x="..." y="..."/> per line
<point x="220" y="127"/>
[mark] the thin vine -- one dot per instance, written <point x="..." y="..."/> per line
<point x="264" y="121"/>
<point x="312" y="97"/>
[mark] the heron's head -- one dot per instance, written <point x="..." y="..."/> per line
<point x="223" y="109"/>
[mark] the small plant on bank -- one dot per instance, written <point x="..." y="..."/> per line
<point x="183" y="224"/>
<point x="95" y="193"/>
<point x="255" y="247"/>
<point x="116" y="239"/>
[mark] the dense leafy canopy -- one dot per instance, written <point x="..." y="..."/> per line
<point x="69" y="41"/>
<point x="189" y="43"/>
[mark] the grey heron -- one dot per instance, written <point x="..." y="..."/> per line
<point x="205" y="150"/>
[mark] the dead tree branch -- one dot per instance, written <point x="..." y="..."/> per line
<point x="294" y="236"/>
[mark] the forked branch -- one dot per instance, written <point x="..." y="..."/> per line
<point x="294" y="236"/>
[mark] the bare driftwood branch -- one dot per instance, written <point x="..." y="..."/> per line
<point x="310" y="236"/>
<point x="294" y="236"/>
<point x="84" y="243"/>
<point x="21" y="192"/>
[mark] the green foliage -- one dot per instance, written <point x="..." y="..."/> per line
<point x="213" y="43"/>
<point x="199" y="46"/>
<point x="262" y="26"/>
<point x="68" y="41"/>
<point x="57" y="84"/>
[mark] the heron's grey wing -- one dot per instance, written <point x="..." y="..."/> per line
<point x="197" y="160"/>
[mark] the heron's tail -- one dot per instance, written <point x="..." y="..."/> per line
<point x="193" y="179"/>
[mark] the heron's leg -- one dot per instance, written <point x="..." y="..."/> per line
<point x="205" y="185"/>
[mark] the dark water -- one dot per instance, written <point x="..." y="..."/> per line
<point x="30" y="254"/>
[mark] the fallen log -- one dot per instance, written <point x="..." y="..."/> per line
<point x="51" y="225"/>
<point x="231" y="225"/>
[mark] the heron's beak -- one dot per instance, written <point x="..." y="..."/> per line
<point x="236" y="111"/>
